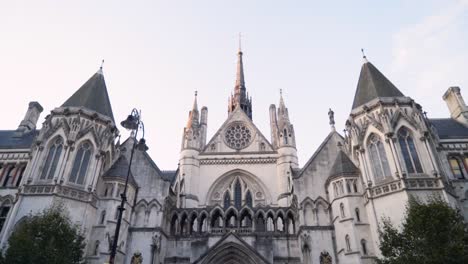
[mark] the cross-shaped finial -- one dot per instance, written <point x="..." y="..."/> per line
<point x="281" y="92"/>
<point x="102" y="64"/>
<point x="240" y="42"/>
<point x="363" y="54"/>
<point x="196" y="92"/>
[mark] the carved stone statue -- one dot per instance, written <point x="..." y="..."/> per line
<point x="325" y="258"/>
<point x="137" y="258"/>
<point x="331" y="116"/>
<point x="156" y="241"/>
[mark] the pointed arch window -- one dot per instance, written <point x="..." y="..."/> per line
<point x="80" y="166"/>
<point x="342" y="212"/>
<point x="378" y="158"/>
<point x="248" y="199"/>
<point x="53" y="156"/>
<point x="4" y="209"/>
<point x="227" y="200"/>
<point x="358" y="216"/>
<point x="237" y="194"/>
<point x="408" y="149"/>
<point x="456" y="167"/>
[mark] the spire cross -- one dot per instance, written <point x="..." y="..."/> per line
<point x="363" y="54"/>
<point x="331" y="117"/>
<point x="281" y="92"/>
<point x="196" y="93"/>
<point x="102" y="64"/>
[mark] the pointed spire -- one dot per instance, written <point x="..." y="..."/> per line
<point x="281" y="104"/>
<point x="373" y="84"/>
<point x="93" y="96"/>
<point x="343" y="166"/>
<point x="240" y="97"/>
<point x="193" y="119"/>
<point x="195" y="104"/>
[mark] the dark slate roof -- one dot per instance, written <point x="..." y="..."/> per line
<point x="119" y="170"/>
<point x="14" y="139"/>
<point x="93" y="96"/>
<point x="168" y="175"/>
<point x="449" y="128"/>
<point x="343" y="166"/>
<point x="373" y="84"/>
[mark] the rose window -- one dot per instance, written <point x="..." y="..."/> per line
<point x="238" y="136"/>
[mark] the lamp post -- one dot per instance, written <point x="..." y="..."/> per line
<point x="133" y="123"/>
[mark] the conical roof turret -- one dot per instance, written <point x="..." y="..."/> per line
<point x="373" y="84"/>
<point x="92" y="95"/>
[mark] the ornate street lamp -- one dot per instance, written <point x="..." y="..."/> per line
<point x="133" y="123"/>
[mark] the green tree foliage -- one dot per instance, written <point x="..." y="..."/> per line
<point x="46" y="238"/>
<point x="431" y="233"/>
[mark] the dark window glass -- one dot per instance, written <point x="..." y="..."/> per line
<point x="238" y="194"/>
<point x="248" y="199"/>
<point x="80" y="165"/>
<point x="227" y="200"/>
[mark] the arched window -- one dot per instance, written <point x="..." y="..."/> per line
<point x="285" y="136"/>
<point x="103" y="217"/>
<point x="270" y="224"/>
<point x="20" y="176"/>
<point x="355" y="186"/>
<point x="348" y="186"/>
<point x="4" y="209"/>
<point x="9" y="175"/>
<point x="80" y="166"/>
<point x="248" y="199"/>
<point x="408" y="149"/>
<point x="96" y="248"/>
<point x="280" y="224"/>
<point x="342" y="210"/>
<point x="260" y="224"/>
<point x="174" y="224"/>
<point x="227" y="200"/>
<point x="358" y="216"/>
<point x="456" y="168"/>
<point x="378" y="158"/>
<point x="52" y="159"/>
<point x="364" y="246"/>
<point x="238" y="194"/>
<point x="348" y="245"/>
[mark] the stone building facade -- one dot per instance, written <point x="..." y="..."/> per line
<point x="238" y="196"/>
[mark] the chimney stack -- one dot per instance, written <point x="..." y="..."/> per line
<point x="30" y="119"/>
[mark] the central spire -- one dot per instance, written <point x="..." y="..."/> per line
<point x="240" y="98"/>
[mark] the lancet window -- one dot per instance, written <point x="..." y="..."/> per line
<point x="80" y="166"/>
<point x="408" y="150"/>
<point x="53" y="156"/>
<point x="378" y="158"/>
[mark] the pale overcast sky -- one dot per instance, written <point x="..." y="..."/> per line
<point x="157" y="53"/>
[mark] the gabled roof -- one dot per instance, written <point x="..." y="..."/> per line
<point x="449" y="128"/>
<point x="14" y="139"/>
<point x="373" y="84"/>
<point x="327" y="141"/>
<point x="93" y="96"/>
<point x="238" y="115"/>
<point x="343" y="166"/>
<point x="119" y="170"/>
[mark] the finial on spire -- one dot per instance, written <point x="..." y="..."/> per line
<point x="281" y="92"/>
<point x="240" y="42"/>
<point x="100" y="68"/>
<point x="364" y="56"/>
<point x="331" y="117"/>
<point x="196" y="93"/>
